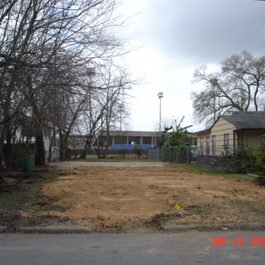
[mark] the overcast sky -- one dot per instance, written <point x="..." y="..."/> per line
<point x="178" y="36"/>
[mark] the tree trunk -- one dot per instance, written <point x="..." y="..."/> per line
<point x="8" y="152"/>
<point x="39" y="149"/>
<point x="63" y="146"/>
<point x="84" y="152"/>
<point x="87" y="147"/>
<point x="51" y="145"/>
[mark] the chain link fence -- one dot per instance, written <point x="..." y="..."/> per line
<point x="154" y="154"/>
<point x="190" y="155"/>
<point x="111" y="153"/>
<point x="212" y="158"/>
<point x="185" y="155"/>
<point x="220" y="163"/>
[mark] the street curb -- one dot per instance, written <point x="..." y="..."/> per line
<point x="169" y="229"/>
<point x="183" y="228"/>
<point x="68" y="230"/>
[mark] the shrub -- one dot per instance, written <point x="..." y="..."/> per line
<point x="260" y="164"/>
<point x="173" y="153"/>
<point x="243" y="161"/>
<point x="261" y="180"/>
<point x="260" y="159"/>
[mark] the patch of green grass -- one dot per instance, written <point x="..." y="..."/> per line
<point x="249" y="206"/>
<point x="11" y="200"/>
<point x="88" y="157"/>
<point x="116" y="157"/>
<point x="48" y="177"/>
<point x="26" y="196"/>
<point x="196" y="210"/>
<point x="6" y="200"/>
<point x="197" y="169"/>
<point x="250" y="209"/>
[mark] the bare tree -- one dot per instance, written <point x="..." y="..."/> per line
<point x="43" y="45"/>
<point x="109" y="94"/>
<point x="238" y="86"/>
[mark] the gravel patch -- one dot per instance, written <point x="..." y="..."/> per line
<point x="106" y="164"/>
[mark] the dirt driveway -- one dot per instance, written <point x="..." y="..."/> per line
<point x="125" y="196"/>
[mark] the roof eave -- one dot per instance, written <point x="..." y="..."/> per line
<point x="240" y="129"/>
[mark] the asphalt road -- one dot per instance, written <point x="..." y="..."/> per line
<point x="138" y="249"/>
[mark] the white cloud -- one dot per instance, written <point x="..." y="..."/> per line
<point x="177" y="37"/>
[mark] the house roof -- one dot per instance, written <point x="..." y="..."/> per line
<point x="243" y="120"/>
<point x="134" y="133"/>
<point x="246" y="119"/>
<point x="204" y="131"/>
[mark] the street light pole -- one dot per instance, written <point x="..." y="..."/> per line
<point x="160" y="95"/>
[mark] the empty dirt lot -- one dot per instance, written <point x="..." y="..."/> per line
<point x="124" y="196"/>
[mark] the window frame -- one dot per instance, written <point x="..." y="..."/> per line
<point x="207" y="145"/>
<point x="226" y="141"/>
<point x="213" y="145"/>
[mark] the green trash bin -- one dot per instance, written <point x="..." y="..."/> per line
<point x="27" y="164"/>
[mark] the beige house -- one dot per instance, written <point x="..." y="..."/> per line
<point x="232" y="130"/>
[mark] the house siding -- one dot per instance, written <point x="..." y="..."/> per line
<point x="203" y="136"/>
<point x="220" y="128"/>
<point x="229" y="133"/>
<point x="250" y="138"/>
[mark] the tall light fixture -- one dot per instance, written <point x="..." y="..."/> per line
<point x="160" y="95"/>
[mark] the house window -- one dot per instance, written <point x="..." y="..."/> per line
<point x="226" y="142"/>
<point x="201" y="146"/>
<point x="213" y="145"/>
<point x="208" y="145"/>
<point x="263" y="139"/>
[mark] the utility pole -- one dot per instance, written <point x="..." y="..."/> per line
<point x="160" y="95"/>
